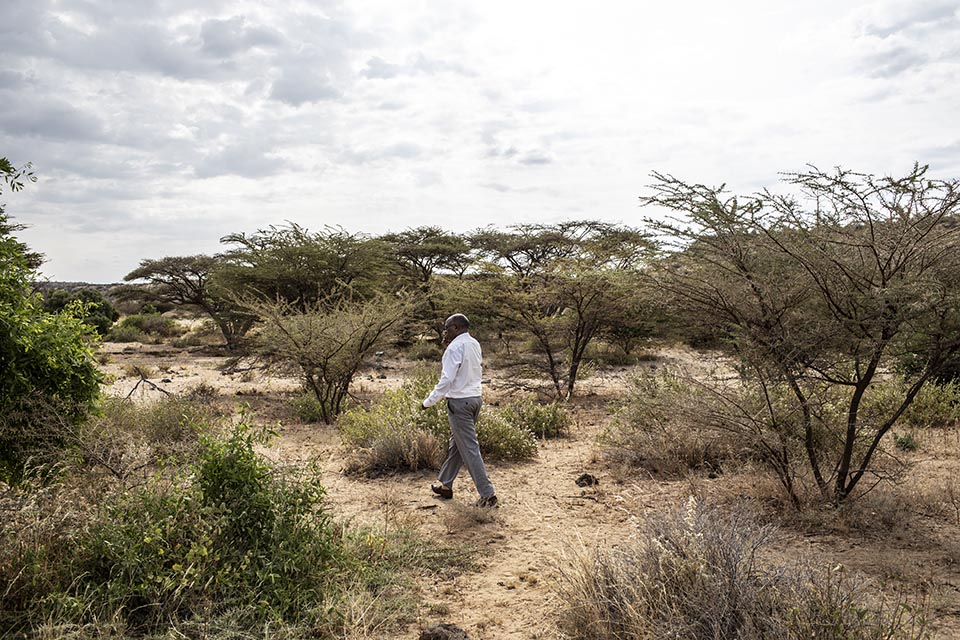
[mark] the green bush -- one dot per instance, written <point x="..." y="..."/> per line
<point x="99" y="312"/>
<point x="230" y="531"/>
<point x="905" y="442"/>
<point x="126" y="334"/>
<point x="152" y="324"/>
<point x="395" y="434"/>
<point x="544" y="420"/>
<point x="696" y="574"/>
<point x="48" y="376"/>
<point x="307" y="407"/>
<point x="425" y="350"/>
<point x="226" y="545"/>
<point x="501" y="440"/>
<point x="937" y="405"/>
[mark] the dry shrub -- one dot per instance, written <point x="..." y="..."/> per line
<point x="649" y="431"/>
<point x="202" y="392"/>
<point x="160" y="423"/>
<point x="204" y="333"/>
<point x="138" y="370"/>
<point x="127" y="436"/>
<point x="394" y="434"/>
<point x="401" y="450"/>
<point x="695" y="573"/>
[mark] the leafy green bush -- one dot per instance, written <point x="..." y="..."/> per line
<point x="48" y="377"/>
<point x="696" y="573"/>
<point x="937" y="405"/>
<point x="395" y="434"/>
<point x="905" y="442"/>
<point x="99" y="312"/>
<point x="544" y="420"/>
<point x="152" y="324"/>
<point x="425" y="350"/>
<point x="231" y="531"/>
<point x="501" y="440"/>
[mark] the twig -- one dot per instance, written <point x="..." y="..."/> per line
<point x="143" y="379"/>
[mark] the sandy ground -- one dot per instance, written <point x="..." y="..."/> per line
<point x="544" y="515"/>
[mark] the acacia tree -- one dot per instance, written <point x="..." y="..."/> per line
<point x="328" y="341"/>
<point x="817" y="294"/>
<point x="561" y="285"/>
<point x="190" y="281"/>
<point x="301" y="267"/>
<point x="423" y="253"/>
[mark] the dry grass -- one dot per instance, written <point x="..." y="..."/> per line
<point x="138" y="369"/>
<point x="459" y="517"/>
<point x="695" y="573"/>
<point x="407" y="450"/>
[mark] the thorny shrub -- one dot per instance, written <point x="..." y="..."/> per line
<point x="126" y="436"/>
<point x="649" y="431"/>
<point x="670" y="423"/>
<point x="696" y="573"/>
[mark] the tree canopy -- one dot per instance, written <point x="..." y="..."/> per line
<point x="817" y="294"/>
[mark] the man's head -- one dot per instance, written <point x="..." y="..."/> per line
<point x="455" y="325"/>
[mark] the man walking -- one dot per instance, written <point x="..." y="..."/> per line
<point x="460" y="385"/>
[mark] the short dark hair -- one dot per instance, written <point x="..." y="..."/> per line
<point x="459" y="320"/>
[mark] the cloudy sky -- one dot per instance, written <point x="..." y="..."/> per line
<point x="156" y="128"/>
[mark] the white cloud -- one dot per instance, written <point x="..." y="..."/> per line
<point x="158" y="127"/>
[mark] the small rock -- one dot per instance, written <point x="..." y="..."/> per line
<point x="443" y="631"/>
<point x="587" y="480"/>
<point x="166" y="380"/>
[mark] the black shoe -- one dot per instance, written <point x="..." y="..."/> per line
<point x="489" y="501"/>
<point x="442" y="491"/>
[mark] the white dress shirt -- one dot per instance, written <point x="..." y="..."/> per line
<point x="461" y="374"/>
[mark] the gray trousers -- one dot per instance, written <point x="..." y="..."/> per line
<point x="462" y="414"/>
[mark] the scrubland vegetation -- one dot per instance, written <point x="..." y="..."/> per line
<point x="828" y="324"/>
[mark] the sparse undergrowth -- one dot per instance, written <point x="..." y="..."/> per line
<point x="220" y="544"/>
<point x="697" y="573"/>
<point x="672" y="423"/>
<point x="395" y="434"/>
